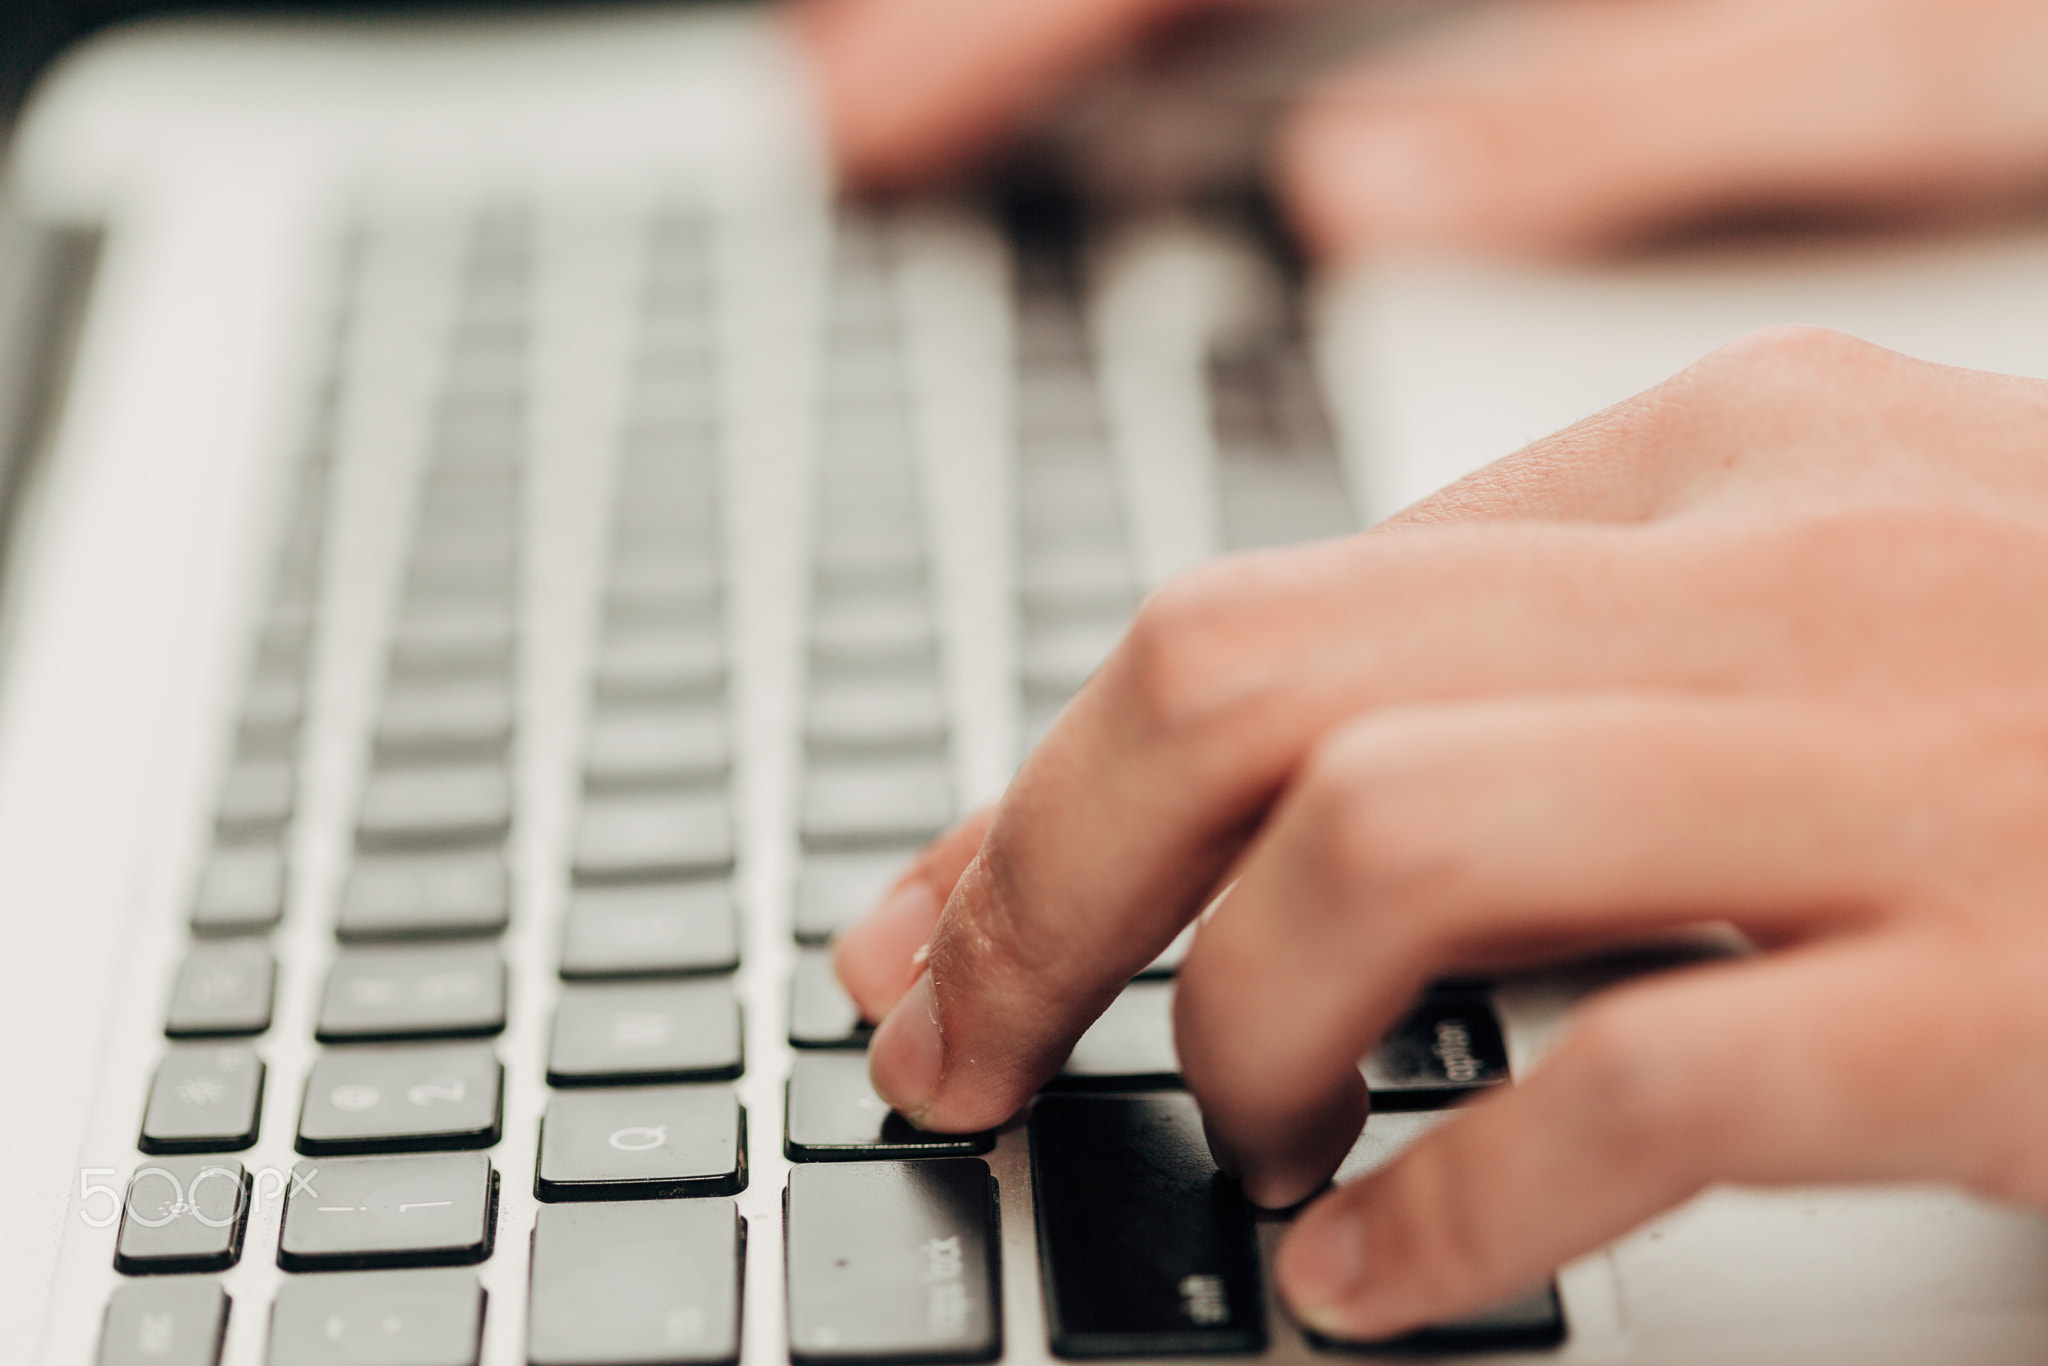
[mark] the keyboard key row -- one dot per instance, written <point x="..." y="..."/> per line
<point x="1145" y="1249"/>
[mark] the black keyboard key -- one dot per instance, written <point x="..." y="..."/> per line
<point x="256" y="799"/>
<point x="872" y="630"/>
<point x="639" y="838"/>
<point x="1146" y="1249"/>
<point x="875" y="802"/>
<point x="478" y="567"/>
<point x="452" y="637"/>
<point x="284" y="638"/>
<point x="206" y="1098"/>
<point x="407" y="1098"/>
<point x="241" y="891"/>
<point x="893" y="1261"/>
<point x="1529" y="1322"/>
<point x="444" y="719"/>
<point x="1446" y="1049"/>
<point x="453" y="652"/>
<point x="180" y="1321"/>
<point x="632" y="605"/>
<point x="183" y="1214"/>
<point x="1130" y="1046"/>
<point x="416" y="808"/>
<point x="422" y="896"/>
<point x="346" y="1213"/>
<point x="644" y="747"/>
<point x="863" y="715"/>
<point x="659" y="665"/>
<point x="272" y="711"/>
<point x="642" y="1143"/>
<point x="659" y="929"/>
<point x="821" y="1014"/>
<point x="834" y="1115"/>
<point x="413" y="993"/>
<point x="222" y="989"/>
<point x="835" y="890"/>
<point x="630" y="1284"/>
<point x="379" y="1318"/>
<point x="880" y="557"/>
<point x="680" y="571"/>
<point x="626" y="1033"/>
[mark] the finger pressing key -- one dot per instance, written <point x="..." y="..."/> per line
<point x="1123" y="822"/>
<point x="878" y="958"/>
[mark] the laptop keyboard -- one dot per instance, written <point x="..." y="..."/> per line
<point x="892" y="1238"/>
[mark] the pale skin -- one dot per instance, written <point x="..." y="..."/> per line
<point x="1764" y="645"/>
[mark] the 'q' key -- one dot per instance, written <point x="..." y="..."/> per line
<point x="642" y="1142"/>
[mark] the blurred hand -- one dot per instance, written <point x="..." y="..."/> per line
<point x="1532" y="128"/>
<point x="1765" y="644"/>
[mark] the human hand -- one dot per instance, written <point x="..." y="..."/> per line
<point x="1765" y="644"/>
<point x="1538" y="128"/>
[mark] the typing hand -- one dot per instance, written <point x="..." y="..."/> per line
<point x="1544" y="127"/>
<point x="1766" y="644"/>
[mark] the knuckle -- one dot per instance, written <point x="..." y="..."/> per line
<point x="1381" y="834"/>
<point x="1797" y="346"/>
<point x="1791" y="375"/>
<point x="1182" y="662"/>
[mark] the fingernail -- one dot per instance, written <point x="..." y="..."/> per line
<point x="1323" y="1270"/>
<point x="908" y="1054"/>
